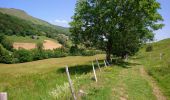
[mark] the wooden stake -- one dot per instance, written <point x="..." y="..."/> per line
<point x="70" y="83"/>
<point x="160" y="56"/>
<point x="105" y="63"/>
<point x="94" y="72"/>
<point x="98" y="64"/>
<point x="3" y="96"/>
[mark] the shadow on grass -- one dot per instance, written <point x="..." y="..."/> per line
<point x="78" y="69"/>
<point x="122" y="63"/>
<point x="86" y="68"/>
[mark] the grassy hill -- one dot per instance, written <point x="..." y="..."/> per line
<point x="158" y="67"/>
<point x="23" y="15"/>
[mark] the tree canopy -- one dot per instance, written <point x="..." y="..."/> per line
<point x="118" y="27"/>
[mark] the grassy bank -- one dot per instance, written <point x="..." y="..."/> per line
<point x="156" y="67"/>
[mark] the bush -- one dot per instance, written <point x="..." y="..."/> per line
<point x="60" y="53"/>
<point x="39" y="54"/>
<point x="149" y="48"/>
<point x="6" y="42"/>
<point x="49" y="53"/>
<point x="23" y="55"/>
<point x="75" y="51"/>
<point x="6" y="56"/>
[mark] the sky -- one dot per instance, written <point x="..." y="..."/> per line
<point x="59" y="12"/>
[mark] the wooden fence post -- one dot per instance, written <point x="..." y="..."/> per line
<point x="3" y="96"/>
<point x="98" y="64"/>
<point x="105" y="63"/>
<point x="160" y="56"/>
<point x="70" y="83"/>
<point x="94" y="72"/>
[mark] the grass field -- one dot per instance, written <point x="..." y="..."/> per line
<point x="47" y="80"/>
<point x="159" y="69"/>
<point x="35" y="80"/>
<point x="28" y="39"/>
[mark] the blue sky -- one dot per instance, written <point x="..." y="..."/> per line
<point x="59" y="12"/>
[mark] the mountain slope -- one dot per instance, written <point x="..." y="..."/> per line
<point x="23" y="15"/>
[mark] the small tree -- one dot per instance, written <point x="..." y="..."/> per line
<point x="40" y="46"/>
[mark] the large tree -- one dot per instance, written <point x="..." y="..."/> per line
<point x="118" y="27"/>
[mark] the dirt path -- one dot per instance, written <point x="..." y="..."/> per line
<point x="134" y="83"/>
<point x="156" y="90"/>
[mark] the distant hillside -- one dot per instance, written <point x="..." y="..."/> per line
<point x="23" y="15"/>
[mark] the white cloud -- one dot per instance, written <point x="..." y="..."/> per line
<point x="59" y="22"/>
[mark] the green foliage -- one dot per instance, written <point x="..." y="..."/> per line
<point x="149" y="48"/>
<point x="60" y="53"/>
<point x="23" y="55"/>
<point x="74" y="50"/>
<point x="6" y="42"/>
<point x="39" y="54"/>
<point x="5" y="56"/>
<point x="118" y="27"/>
<point x="63" y="39"/>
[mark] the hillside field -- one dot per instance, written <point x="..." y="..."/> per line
<point x="29" y="43"/>
<point x="141" y="78"/>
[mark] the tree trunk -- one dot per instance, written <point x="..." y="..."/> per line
<point x="108" y="50"/>
<point x="108" y="56"/>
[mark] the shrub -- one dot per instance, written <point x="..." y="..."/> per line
<point x="6" y="56"/>
<point x="6" y="42"/>
<point x="23" y="55"/>
<point x="49" y="53"/>
<point x="74" y="50"/>
<point x="39" y="54"/>
<point x="149" y="48"/>
<point x="60" y="52"/>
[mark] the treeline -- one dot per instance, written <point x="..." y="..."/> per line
<point x="11" y="25"/>
<point x="9" y="55"/>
